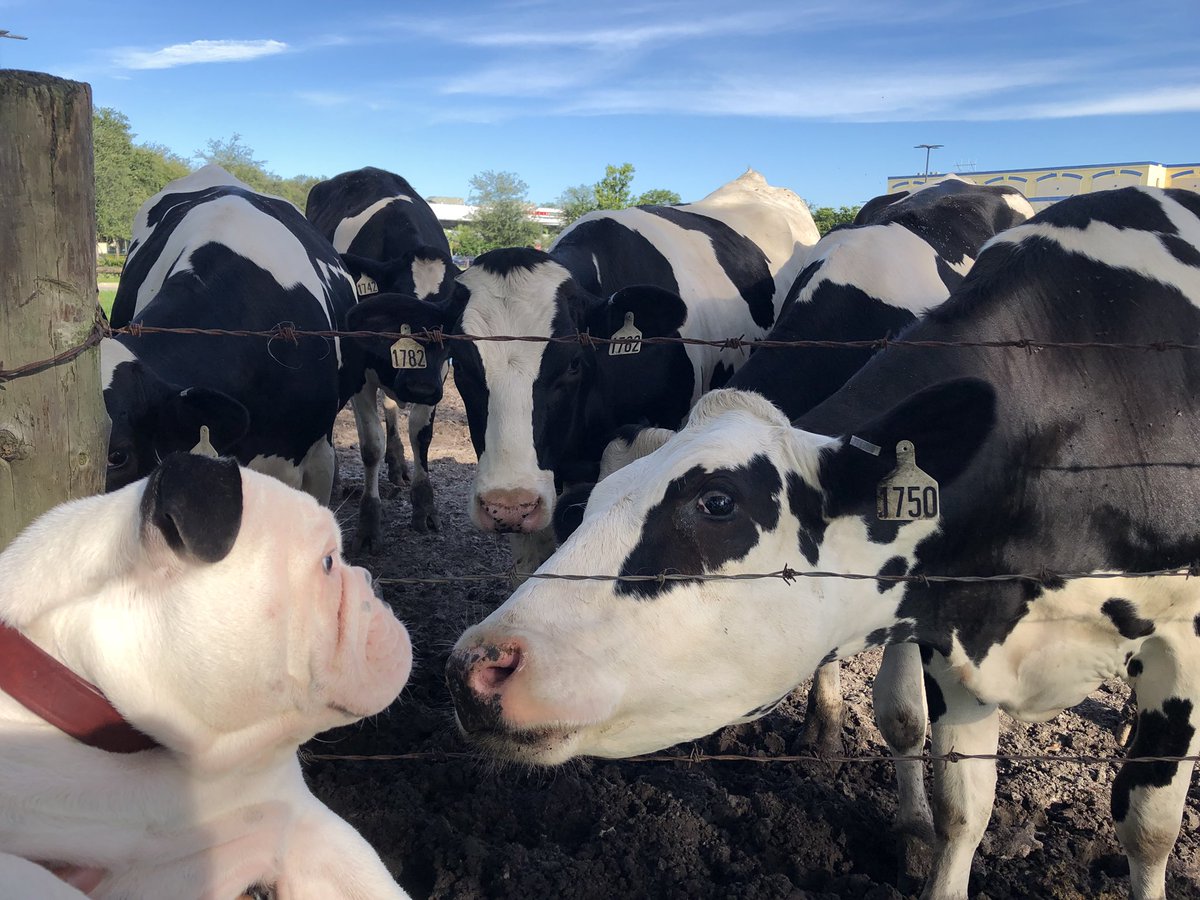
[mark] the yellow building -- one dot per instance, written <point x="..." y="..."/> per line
<point x="1045" y="186"/>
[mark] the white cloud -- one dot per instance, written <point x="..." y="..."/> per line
<point x="199" y="52"/>
<point x="1130" y="103"/>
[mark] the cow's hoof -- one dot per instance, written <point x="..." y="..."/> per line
<point x="397" y="471"/>
<point x="424" y="522"/>
<point x="424" y="513"/>
<point x="370" y="526"/>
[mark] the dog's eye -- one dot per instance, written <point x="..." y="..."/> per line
<point x="327" y="562"/>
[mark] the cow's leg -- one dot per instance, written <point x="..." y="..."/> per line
<point x="420" y="433"/>
<point x="822" y="732"/>
<point x="898" y="695"/>
<point x="1148" y="798"/>
<point x="396" y="467"/>
<point x="963" y="792"/>
<point x="370" y="445"/>
<point x="318" y="469"/>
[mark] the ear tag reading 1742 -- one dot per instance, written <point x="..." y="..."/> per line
<point x="366" y="285"/>
<point x="204" y="448"/>
<point x="627" y="339"/>
<point x="907" y="493"/>
<point x="407" y="353"/>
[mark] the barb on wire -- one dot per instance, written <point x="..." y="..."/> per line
<point x="697" y="757"/>
<point x="789" y="575"/>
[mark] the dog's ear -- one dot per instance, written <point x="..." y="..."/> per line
<point x="195" y="502"/>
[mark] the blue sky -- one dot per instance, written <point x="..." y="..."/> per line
<point x="827" y="98"/>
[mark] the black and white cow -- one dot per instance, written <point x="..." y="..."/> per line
<point x="392" y="244"/>
<point x="209" y="252"/>
<point x="1054" y="461"/>
<point x="540" y="414"/>
<point x="859" y="282"/>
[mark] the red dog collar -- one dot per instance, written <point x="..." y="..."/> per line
<point x="46" y="687"/>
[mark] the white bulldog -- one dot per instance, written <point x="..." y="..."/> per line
<point x="212" y="608"/>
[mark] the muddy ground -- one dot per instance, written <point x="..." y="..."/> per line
<point x="455" y="828"/>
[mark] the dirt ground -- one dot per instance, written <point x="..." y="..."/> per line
<point x="454" y="828"/>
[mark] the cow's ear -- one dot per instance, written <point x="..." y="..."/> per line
<point x="946" y="423"/>
<point x="568" y="510"/>
<point x="358" y="266"/>
<point x="656" y="312"/>
<point x="460" y="295"/>
<point x="195" y="503"/>
<point x="387" y="312"/>
<point x="183" y="413"/>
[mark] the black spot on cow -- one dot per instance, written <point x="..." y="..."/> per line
<point x="1159" y="733"/>
<point x="901" y="633"/>
<point x="1134" y="668"/>
<point x="894" y="567"/>
<point x="1196" y="625"/>
<point x="877" y="638"/>
<point x="806" y="504"/>
<point x="743" y="261"/>
<point x="1131" y="209"/>
<point x="1180" y="249"/>
<point x="722" y="372"/>
<point x="1125" y="619"/>
<point x="933" y="695"/>
<point x="829" y="657"/>
<point x="604" y="256"/>
<point x="695" y="529"/>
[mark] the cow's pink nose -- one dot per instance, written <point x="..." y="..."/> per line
<point x="477" y="678"/>
<point x="512" y="510"/>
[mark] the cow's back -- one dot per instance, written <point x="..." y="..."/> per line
<point x="373" y="213"/>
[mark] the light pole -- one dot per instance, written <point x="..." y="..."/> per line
<point x="927" y="148"/>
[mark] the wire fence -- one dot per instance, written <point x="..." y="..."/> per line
<point x="287" y="331"/>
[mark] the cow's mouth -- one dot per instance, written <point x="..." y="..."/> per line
<point x="546" y="746"/>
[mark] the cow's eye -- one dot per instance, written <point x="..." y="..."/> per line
<point x="716" y="504"/>
<point x="117" y="458"/>
<point x="327" y="563"/>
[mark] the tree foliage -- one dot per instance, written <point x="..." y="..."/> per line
<point x="237" y="158"/>
<point x="501" y="214"/>
<point x="127" y="174"/>
<point x="827" y="218"/>
<point x="613" y="191"/>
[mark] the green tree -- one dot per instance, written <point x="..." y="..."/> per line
<point x="501" y="214"/>
<point x="237" y="158"/>
<point x="612" y="191"/>
<point x="657" y="197"/>
<point x="576" y="201"/>
<point x="827" y="217"/>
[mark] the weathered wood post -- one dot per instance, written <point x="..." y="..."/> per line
<point x="53" y="426"/>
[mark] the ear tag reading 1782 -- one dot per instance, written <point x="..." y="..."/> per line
<point x="407" y="353"/>
<point x="627" y="339"/>
<point x="366" y="285"/>
<point x="907" y="493"/>
<point x="204" y="448"/>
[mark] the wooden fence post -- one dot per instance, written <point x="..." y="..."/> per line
<point x="53" y="426"/>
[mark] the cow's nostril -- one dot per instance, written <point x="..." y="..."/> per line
<point x="493" y="672"/>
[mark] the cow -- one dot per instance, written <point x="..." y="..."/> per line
<point x="391" y="243"/>
<point x="1039" y="463"/>
<point x="860" y="282"/>
<point x="209" y="252"/>
<point x="166" y="648"/>
<point x="541" y="413"/>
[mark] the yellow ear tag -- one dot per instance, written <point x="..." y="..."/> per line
<point x="407" y="353"/>
<point x="366" y="285"/>
<point x="907" y="493"/>
<point x="204" y="448"/>
<point x="627" y="339"/>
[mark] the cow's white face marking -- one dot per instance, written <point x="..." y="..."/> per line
<point x="883" y="261"/>
<point x="521" y="302"/>
<point x="349" y="227"/>
<point x="427" y="276"/>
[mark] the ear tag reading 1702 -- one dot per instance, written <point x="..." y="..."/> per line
<point x="366" y="285"/>
<point x="627" y="339"/>
<point x="204" y="448"/>
<point x="407" y="353"/>
<point x="907" y="493"/>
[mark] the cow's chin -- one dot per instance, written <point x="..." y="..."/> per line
<point x="548" y="746"/>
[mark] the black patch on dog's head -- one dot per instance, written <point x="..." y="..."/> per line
<point x="196" y="503"/>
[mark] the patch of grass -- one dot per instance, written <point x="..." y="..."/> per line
<point x="107" y="296"/>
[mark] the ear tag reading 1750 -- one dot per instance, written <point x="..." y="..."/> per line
<point x="204" y="448"/>
<point x="627" y="339"/>
<point x="407" y="353"/>
<point x="907" y="493"/>
<point x="366" y="285"/>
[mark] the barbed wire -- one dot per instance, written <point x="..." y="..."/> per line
<point x="790" y="575"/>
<point x="288" y="331"/>
<point x="697" y="757"/>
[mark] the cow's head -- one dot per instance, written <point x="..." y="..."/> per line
<point x="614" y="668"/>
<point x="152" y="418"/>
<point x="415" y="291"/>
<point x="533" y="407"/>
